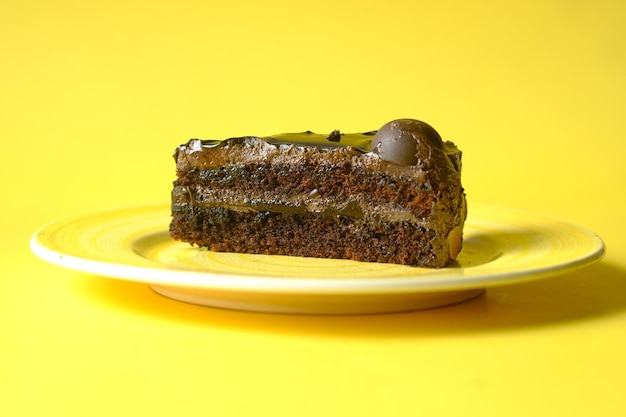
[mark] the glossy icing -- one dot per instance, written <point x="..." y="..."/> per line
<point x="335" y="139"/>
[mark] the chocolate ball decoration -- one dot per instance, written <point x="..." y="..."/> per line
<point x="406" y="142"/>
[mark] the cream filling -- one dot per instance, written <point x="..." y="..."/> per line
<point x="356" y="208"/>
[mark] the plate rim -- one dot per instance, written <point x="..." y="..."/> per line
<point x="151" y="274"/>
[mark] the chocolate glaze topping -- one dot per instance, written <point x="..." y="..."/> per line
<point x="335" y="139"/>
<point x="404" y="142"/>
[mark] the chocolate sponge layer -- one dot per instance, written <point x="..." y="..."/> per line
<point x="264" y="232"/>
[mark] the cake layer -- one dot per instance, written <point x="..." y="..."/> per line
<point x="307" y="148"/>
<point x="293" y="188"/>
<point x="307" y="234"/>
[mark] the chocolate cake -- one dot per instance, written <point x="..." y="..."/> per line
<point x="392" y="195"/>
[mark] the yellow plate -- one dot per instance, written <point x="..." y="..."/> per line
<point x="501" y="246"/>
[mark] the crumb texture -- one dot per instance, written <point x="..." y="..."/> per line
<point x="309" y="235"/>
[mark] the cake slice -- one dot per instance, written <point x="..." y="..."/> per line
<point x="392" y="195"/>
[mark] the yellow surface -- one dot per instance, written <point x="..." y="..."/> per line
<point x="95" y="95"/>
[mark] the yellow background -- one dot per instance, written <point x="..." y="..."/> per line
<point x="94" y="96"/>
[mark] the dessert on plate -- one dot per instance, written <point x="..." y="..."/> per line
<point x="393" y="195"/>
